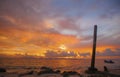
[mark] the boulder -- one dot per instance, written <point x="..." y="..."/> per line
<point x="2" y="70"/>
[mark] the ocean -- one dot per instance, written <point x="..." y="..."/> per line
<point x="79" y="65"/>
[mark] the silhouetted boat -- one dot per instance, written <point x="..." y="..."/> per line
<point x="108" y="61"/>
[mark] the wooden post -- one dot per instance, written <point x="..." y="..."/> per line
<point x="94" y="48"/>
<point x="92" y="68"/>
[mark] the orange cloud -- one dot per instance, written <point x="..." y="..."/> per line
<point x="37" y="43"/>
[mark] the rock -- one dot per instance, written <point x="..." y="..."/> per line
<point x="2" y="70"/>
<point x="67" y="74"/>
<point x="57" y="71"/>
<point x="47" y="70"/>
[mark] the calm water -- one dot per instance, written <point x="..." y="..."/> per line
<point x="20" y="65"/>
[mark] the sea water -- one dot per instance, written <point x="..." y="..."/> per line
<point x="79" y="65"/>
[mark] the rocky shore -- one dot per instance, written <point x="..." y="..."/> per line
<point x="49" y="72"/>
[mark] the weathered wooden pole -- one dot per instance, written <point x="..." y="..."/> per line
<point x="92" y="68"/>
<point x="94" y="48"/>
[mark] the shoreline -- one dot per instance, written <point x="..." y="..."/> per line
<point x="48" y="72"/>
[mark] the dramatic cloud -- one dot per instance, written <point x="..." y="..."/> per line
<point x="60" y="54"/>
<point x="109" y="52"/>
<point x="33" y="27"/>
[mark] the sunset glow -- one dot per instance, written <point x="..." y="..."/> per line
<point x="61" y="28"/>
<point x="62" y="47"/>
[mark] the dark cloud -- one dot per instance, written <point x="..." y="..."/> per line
<point x="8" y="23"/>
<point x="84" y="54"/>
<point x="110" y="39"/>
<point x="109" y="52"/>
<point x="23" y="14"/>
<point x="18" y="56"/>
<point x="60" y="54"/>
<point x="67" y="23"/>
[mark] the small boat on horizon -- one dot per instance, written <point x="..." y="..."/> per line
<point x="108" y="61"/>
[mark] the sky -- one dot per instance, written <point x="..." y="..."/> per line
<point x="59" y="28"/>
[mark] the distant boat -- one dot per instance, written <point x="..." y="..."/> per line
<point x="108" y="61"/>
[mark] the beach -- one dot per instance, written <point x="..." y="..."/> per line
<point x="32" y="67"/>
<point x="35" y="74"/>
